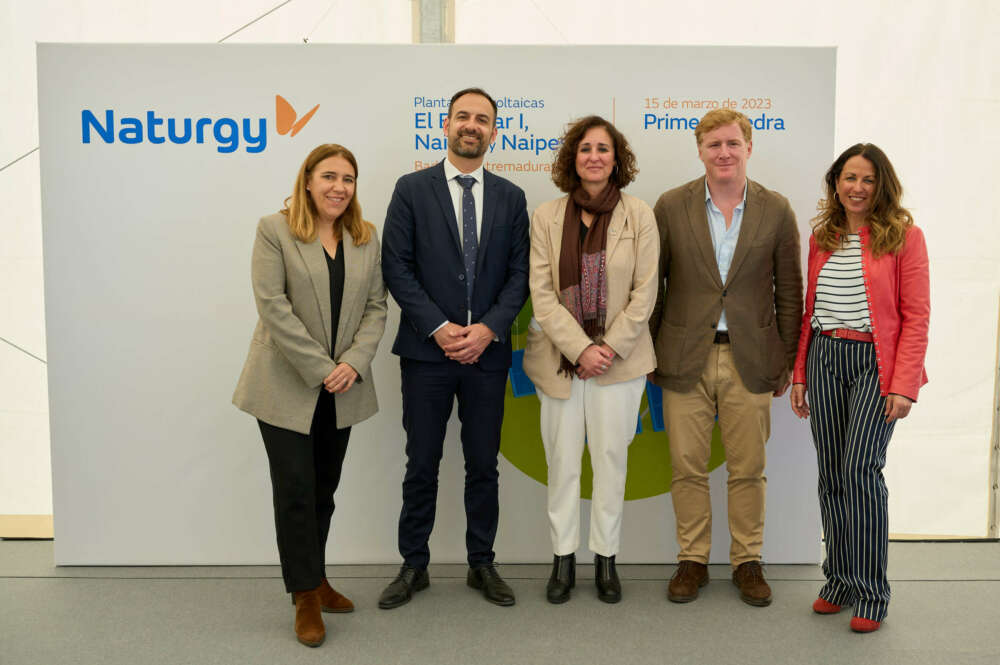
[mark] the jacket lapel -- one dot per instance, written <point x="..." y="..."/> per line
<point x="489" y="213"/>
<point x="698" y="219"/>
<point x="314" y="256"/>
<point x="555" y="231"/>
<point x="615" y="229"/>
<point x="354" y="258"/>
<point x="443" y="195"/>
<point x="753" y="214"/>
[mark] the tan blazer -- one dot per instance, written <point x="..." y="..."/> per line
<point x="762" y="294"/>
<point x="290" y="351"/>
<point x="631" y="263"/>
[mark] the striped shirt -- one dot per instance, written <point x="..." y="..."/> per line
<point x="841" y="301"/>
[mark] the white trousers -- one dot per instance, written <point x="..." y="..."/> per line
<point x="606" y="417"/>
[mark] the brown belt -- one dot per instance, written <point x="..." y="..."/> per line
<point x="721" y="337"/>
<point x="847" y="333"/>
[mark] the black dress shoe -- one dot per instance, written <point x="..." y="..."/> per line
<point x="609" y="587"/>
<point x="563" y="578"/>
<point x="487" y="578"/>
<point x="401" y="589"/>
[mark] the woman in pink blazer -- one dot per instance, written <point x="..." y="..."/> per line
<point x="861" y="359"/>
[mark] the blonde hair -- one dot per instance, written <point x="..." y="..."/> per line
<point x="300" y="210"/>
<point x="720" y="117"/>
<point x="887" y="219"/>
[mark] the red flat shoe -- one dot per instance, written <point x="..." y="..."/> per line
<point x="862" y="625"/>
<point x="822" y="606"/>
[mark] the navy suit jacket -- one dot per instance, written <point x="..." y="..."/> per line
<point x="423" y="268"/>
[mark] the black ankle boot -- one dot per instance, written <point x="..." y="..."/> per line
<point x="563" y="578"/>
<point x="609" y="587"/>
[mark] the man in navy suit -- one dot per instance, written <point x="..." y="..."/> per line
<point x="455" y="258"/>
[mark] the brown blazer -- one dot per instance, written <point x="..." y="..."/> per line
<point x="631" y="273"/>
<point x="762" y="294"/>
<point x="290" y="351"/>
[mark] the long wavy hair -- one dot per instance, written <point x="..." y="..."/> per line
<point x="887" y="219"/>
<point x="564" y="173"/>
<point x="300" y="210"/>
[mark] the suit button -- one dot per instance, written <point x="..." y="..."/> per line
<point x="461" y="278"/>
<point x="713" y="326"/>
<point x="723" y="293"/>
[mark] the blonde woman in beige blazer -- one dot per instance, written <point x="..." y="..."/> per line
<point x="317" y="281"/>
<point x="594" y="256"/>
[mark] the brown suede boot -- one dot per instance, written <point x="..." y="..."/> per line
<point x="749" y="578"/>
<point x="333" y="601"/>
<point x="308" y="618"/>
<point x="684" y="585"/>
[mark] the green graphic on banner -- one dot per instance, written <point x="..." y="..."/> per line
<point x="649" y="469"/>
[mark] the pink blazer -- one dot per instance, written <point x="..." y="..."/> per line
<point x="898" y="290"/>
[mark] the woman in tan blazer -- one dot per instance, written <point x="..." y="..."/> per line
<point x="594" y="255"/>
<point x="307" y="377"/>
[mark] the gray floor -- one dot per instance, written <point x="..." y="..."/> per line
<point x="945" y="609"/>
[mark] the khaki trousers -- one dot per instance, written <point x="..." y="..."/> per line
<point x="745" y="423"/>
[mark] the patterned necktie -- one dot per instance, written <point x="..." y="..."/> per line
<point x="470" y="244"/>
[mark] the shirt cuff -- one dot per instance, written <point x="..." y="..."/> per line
<point x="443" y="324"/>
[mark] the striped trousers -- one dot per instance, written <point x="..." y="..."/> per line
<point x="847" y="416"/>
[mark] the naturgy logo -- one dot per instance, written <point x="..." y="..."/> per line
<point x="284" y="116"/>
<point x="228" y="133"/>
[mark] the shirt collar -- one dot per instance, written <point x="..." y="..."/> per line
<point x="708" y="196"/>
<point x="450" y="171"/>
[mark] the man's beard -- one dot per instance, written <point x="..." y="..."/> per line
<point x="459" y="148"/>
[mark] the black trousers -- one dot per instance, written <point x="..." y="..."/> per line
<point x="305" y="472"/>
<point x="429" y="391"/>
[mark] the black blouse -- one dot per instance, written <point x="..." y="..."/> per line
<point x="336" y="268"/>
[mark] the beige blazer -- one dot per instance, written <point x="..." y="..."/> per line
<point x="631" y="264"/>
<point x="762" y="294"/>
<point x="290" y="351"/>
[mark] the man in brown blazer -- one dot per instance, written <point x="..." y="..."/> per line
<point x="725" y="330"/>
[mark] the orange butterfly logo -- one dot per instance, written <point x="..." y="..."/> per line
<point x="286" y="115"/>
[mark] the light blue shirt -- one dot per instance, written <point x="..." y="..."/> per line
<point x="723" y="239"/>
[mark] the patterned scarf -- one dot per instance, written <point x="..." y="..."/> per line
<point x="582" y="278"/>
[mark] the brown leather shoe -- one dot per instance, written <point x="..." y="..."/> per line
<point x="684" y="585"/>
<point x="332" y="600"/>
<point x="308" y="619"/>
<point x="749" y="578"/>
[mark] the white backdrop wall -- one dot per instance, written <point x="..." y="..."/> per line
<point x="919" y="78"/>
<point x="149" y="311"/>
<point x="25" y="467"/>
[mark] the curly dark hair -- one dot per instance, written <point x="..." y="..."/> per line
<point x="887" y="218"/>
<point x="564" y="173"/>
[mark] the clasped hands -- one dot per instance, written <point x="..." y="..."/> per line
<point x="594" y="361"/>
<point x="340" y="379"/>
<point x="463" y="344"/>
